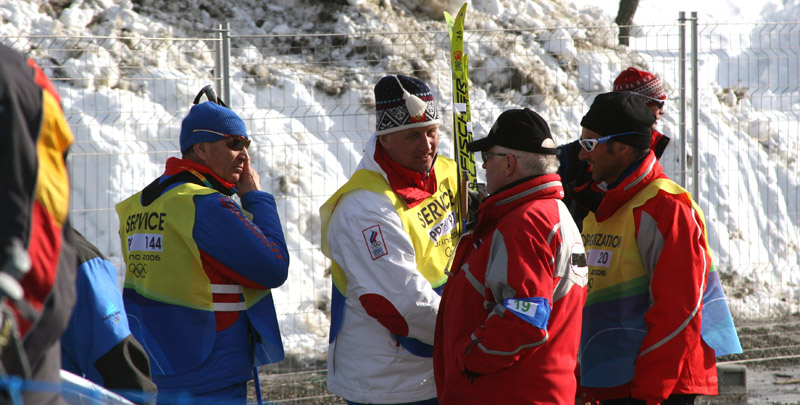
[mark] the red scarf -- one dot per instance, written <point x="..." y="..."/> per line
<point x="175" y="166"/>
<point x="413" y="187"/>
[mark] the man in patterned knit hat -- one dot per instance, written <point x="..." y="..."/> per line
<point x="389" y="232"/>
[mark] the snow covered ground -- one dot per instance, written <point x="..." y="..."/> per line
<point x="308" y="118"/>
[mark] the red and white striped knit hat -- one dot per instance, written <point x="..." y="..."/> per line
<point x="637" y="81"/>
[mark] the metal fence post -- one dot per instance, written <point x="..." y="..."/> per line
<point x="695" y="113"/>
<point x="222" y="62"/>
<point x="226" y="63"/>
<point x="218" y="61"/>
<point x="682" y="87"/>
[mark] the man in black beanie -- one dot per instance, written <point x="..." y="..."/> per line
<point x="622" y="122"/>
<point x="655" y="315"/>
<point x="581" y="193"/>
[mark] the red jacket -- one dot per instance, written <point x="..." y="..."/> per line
<point x="511" y="311"/>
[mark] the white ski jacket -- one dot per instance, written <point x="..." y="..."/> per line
<point x="365" y="361"/>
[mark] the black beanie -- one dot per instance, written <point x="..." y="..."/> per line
<point x="616" y="113"/>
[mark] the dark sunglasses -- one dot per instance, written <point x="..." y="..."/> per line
<point x="237" y="143"/>
<point x="234" y="142"/>
<point x="652" y="101"/>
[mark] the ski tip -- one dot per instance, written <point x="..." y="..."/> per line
<point x="462" y="10"/>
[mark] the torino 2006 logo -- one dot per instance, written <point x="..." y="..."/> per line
<point x="138" y="269"/>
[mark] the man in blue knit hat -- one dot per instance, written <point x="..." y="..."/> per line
<point x="199" y="268"/>
<point x="389" y="232"/>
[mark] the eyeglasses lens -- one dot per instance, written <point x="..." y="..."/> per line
<point x="238" y="143"/>
<point x="588" y="144"/>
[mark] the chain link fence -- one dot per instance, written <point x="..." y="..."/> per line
<point x="308" y="104"/>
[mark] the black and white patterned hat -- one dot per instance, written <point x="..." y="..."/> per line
<point x="403" y="102"/>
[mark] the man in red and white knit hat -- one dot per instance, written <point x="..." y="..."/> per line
<point x="642" y="83"/>
<point x="650" y="89"/>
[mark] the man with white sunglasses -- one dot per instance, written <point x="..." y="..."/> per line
<point x="655" y="316"/>
<point x="581" y="194"/>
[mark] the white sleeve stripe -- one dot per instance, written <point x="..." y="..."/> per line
<point x="472" y="280"/>
<point x="229" y="306"/>
<point x="699" y="298"/>
<point x="553" y="232"/>
<point x="515" y="351"/>
<point x="226" y="289"/>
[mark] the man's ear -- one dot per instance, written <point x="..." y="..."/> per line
<point x="201" y="151"/>
<point x="382" y="139"/>
<point x="511" y="164"/>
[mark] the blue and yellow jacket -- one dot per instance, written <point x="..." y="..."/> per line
<point x="198" y="269"/>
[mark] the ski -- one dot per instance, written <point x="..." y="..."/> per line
<point x="462" y="125"/>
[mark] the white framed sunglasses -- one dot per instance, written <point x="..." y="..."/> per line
<point x="589" y="144"/>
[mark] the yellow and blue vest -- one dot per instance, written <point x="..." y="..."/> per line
<point x="168" y="295"/>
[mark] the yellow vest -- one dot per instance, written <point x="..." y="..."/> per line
<point x="431" y="225"/>
<point x="612" y="245"/>
<point x="157" y="240"/>
<point x="619" y="295"/>
<point x="163" y="264"/>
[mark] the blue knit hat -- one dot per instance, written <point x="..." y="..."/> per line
<point x="207" y="121"/>
<point x="403" y="102"/>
